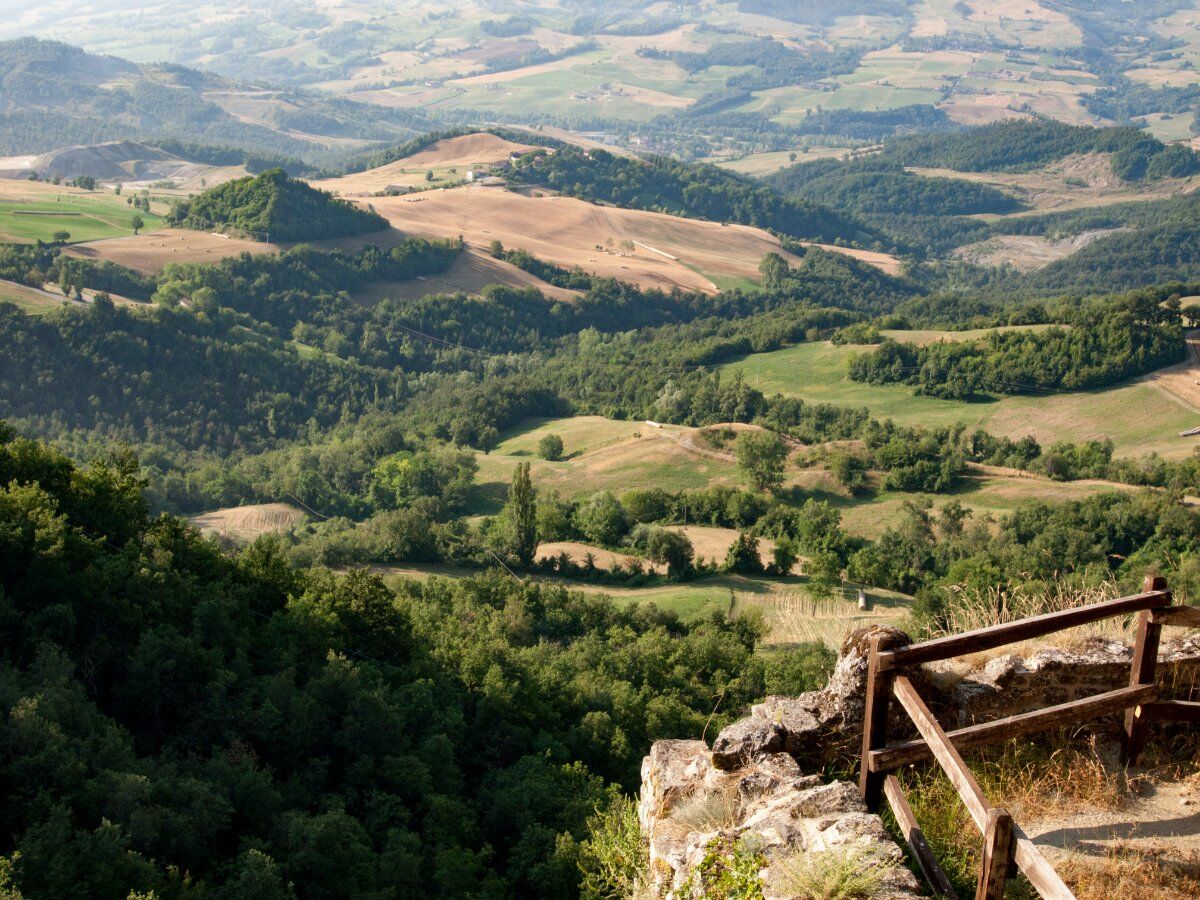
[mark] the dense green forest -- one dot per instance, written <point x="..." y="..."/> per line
<point x="879" y="185"/>
<point x="275" y="207"/>
<point x="1101" y="344"/>
<point x="199" y="724"/>
<point x="1016" y="145"/>
<point x="698" y="191"/>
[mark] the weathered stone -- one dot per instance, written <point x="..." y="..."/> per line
<point x="1011" y="684"/>
<point x="671" y="771"/>
<point x="835" y="797"/>
<point x="745" y="741"/>
<point x="781" y="811"/>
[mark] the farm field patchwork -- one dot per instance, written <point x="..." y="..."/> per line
<point x="792" y="611"/>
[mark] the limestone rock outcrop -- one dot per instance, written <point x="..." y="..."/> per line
<point x="756" y="790"/>
<point x="690" y="810"/>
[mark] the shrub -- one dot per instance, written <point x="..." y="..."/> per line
<point x="833" y="875"/>
<point x="613" y="858"/>
<point x="550" y="447"/>
<point x="602" y="519"/>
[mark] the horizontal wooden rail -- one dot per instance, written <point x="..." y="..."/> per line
<point x="1021" y="630"/>
<point x="1170" y="711"/>
<point x="1185" y="616"/>
<point x="933" y="873"/>
<point x="1073" y="713"/>
<point x="1039" y="872"/>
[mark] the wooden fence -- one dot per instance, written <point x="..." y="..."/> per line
<point x="1006" y="848"/>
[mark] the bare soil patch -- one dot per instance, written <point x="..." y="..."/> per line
<point x="1028" y="252"/>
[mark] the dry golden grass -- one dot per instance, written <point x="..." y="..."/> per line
<point x="968" y="609"/>
<point x="462" y="152"/>
<point x="245" y="523"/>
<point x="648" y="249"/>
<point x="832" y="875"/>
<point x="1129" y="874"/>
<point x="150" y="251"/>
<point x="712" y="811"/>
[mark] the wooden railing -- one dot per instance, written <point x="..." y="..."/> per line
<point x="1006" y="848"/>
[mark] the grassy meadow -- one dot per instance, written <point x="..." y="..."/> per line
<point x="87" y="216"/>
<point x="1137" y="417"/>
<point x="31" y="301"/>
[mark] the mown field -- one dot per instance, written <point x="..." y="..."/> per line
<point x="87" y="217"/>
<point x="30" y="300"/>
<point x="600" y="454"/>
<point x="1137" y="417"/>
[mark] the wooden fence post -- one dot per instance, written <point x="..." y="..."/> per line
<point x="875" y="716"/>
<point x="1142" y="672"/>
<point x="998" y="847"/>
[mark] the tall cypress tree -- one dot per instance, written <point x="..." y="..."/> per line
<point x="521" y="513"/>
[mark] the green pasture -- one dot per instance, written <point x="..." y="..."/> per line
<point x="1137" y="417"/>
<point x="88" y="217"/>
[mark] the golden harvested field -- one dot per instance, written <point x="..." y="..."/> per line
<point x="651" y="250"/>
<point x="1181" y="382"/>
<point x="470" y="274"/>
<point x="460" y="153"/>
<point x="712" y="543"/>
<point x="245" y="523"/>
<point x="150" y="251"/>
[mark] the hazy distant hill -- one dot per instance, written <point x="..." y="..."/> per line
<point x="53" y="94"/>
<point x="688" y="79"/>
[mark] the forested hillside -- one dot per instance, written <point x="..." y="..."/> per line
<point x="881" y="185"/>
<point x="1023" y="145"/>
<point x="276" y="207"/>
<point x="704" y="192"/>
<point x="1102" y="345"/>
<point x="197" y="724"/>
